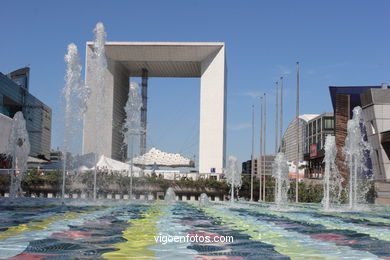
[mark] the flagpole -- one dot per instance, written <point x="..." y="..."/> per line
<point x="253" y="140"/>
<point x="260" y="163"/>
<point x="276" y="119"/>
<point x="298" y="148"/>
<point x="281" y="112"/>
<point x="264" y="142"/>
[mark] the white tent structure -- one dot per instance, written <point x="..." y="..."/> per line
<point x="86" y="162"/>
<point x="159" y="158"/>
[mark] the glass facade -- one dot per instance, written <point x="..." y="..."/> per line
<point x="14" y="98"/>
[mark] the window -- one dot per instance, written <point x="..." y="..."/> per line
<point x="310" y="125"/>
<point x="328" y="123"/>
<point x="314" y="127"/>
<point x="318" y="125"/>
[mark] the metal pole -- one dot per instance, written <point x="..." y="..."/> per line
<point x="253" y="140"/>
<point x="276" y="119"/>
<point x="297" y="118"/>
<point x="131" y="165"/>
<point x="94" y="176"/>
<point x="281" y="112"/>
<point x="260" y="164"/>
<point x="264" y="143"/>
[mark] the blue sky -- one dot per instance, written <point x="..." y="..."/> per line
<point x="337" y="43"/>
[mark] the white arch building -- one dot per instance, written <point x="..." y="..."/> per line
<point x="289" y="142"/>
<point x="161" y="59"/>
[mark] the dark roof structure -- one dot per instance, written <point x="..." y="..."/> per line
<point x="353" y="91"/>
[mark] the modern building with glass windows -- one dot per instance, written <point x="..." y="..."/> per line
<point x="316" y="131"/>
<point x="258" y="165"/>
<point x="14" y="97"/>
<point x="290" y="139"/>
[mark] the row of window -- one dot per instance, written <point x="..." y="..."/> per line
<point x="323" y="123"/>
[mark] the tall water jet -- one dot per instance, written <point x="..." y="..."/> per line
<point x="97" y="81"/>
<point x="19" y="148"/>
<point x="170" y="195"/>
<point x="203" y="200"/>
<point x="132" y="125"/>
<point x="282" y="183"/>
<point x="357" y="152"/>
<point x="233" y="176"/>
<point x="332" y="179"/>
<point x="75" y="95"/>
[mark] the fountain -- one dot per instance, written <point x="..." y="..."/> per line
<point x="97" y="81"/>
<point x="332" y="178"/>
<point x="233" y="176"/>
<point x="203" y="200"/>
<point x="76" y="95"/>
<point x="132" y="125"/>
<point x="19" y="148"/>
<point x="170" y="195"/>
<point x="282" y="183"/>
<point x="357" y="153"/>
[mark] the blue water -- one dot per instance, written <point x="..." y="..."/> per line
<point x="259" y="231"/>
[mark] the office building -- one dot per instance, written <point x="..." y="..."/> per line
<point x="14" y="97"/>
<point x="289" y="145"/>
<point x="258" y="166"/>
<point x="316" y="131"/>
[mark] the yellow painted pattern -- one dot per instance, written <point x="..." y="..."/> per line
<point x="140" y="236"/>
<point x="36" y="225"/>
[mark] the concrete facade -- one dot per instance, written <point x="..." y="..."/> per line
<point x="5" y="129"/>
<point x="161" y="59"/>
<point x="344" y="100"/>
<point x="376" y="108"/>
<point x="258" y="165"/>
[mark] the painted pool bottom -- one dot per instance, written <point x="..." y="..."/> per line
<point x="128" y="232"/>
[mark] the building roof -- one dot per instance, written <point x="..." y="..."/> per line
<point x="162" y="59"/>
<point x="36" y="160"/>
<point x="353" y="91"/>
<point x="330" y="114"/>
<point x="308" y="117"/>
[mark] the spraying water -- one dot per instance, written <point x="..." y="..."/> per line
<point x="170" y="195"/>
<point x="203" y="200"/>
<point x="332" y="178"/>
<point x="357" y="153"/>
<point x="76" y="95"/>
<point x="19" y="148"/>
<point x="282" y="184"/>
<point x="132" y="125"/>
<point x="233" y="176"/>
<point x="97" y="82"/>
